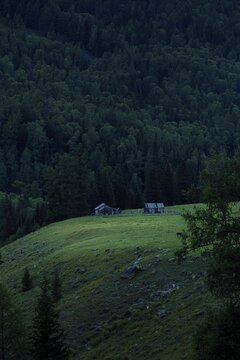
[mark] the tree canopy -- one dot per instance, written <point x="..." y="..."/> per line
<point x="214" y="228"/>
<point x="148" y="88"/>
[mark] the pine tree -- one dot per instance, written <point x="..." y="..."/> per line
<point x="48" y="340"/>
<point x="152" y="190"/>
<point x="214" y="231"/>
<point x="80" y="183"/>
<point x="168" y="185"/>
<point x="105" y="186"/>
<point x="26" y="281"/>
<point x="183" y="181"/>
<point x="13" y="343"/>
<point x="56" y="287"/>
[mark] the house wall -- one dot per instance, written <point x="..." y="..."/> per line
<point x="154" y="210"/>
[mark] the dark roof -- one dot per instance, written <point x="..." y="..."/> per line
<point x="102" y="206"/>
<point x="154" y="205"/>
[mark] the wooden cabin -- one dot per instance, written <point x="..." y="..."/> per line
<point x="104" y="209"/>
<point x="153" y="208"/>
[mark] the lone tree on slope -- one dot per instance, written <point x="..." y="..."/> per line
<point x="48" y="340"/>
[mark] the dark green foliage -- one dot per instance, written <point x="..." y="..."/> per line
<point x="217" y="337"/>
<point x="105" y="186"/>
<point x="19" y="215"/>
<point x="27" y="283"/>
<point x="56" y="287"/>
<point x="148" y="88"/>
<point x="48" y="339"/>
<point x="13" y="344"/>
<point x="168" y="186"/>
<point x="215" y="229"/>
<point x="68" y="184"/>
<point x="223" y="276"/>
<point x="120" y="188"/>
<point x="152" y="187"/>
<point x="183" y="178"/>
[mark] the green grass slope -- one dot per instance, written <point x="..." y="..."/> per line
<point x="150" y="316"/>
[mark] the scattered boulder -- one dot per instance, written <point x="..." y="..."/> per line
<point x="167" y="251"/>
<point x="82" y="271"/>
<point x="156" y="262"/>
<point x="162" y="313"/>
<point x="198" y="314"/>
<point x="106" y="310"/>
<point x="131" y="271"/>
<point x="107" y="251"/>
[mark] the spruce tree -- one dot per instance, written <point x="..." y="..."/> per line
<point x="168" y="185"/>
<point x="152" y="190"/>
<point x="183" y="179"/>
<point x="26" y="281"/>
<point x="214" y="230"/>
<point x="48" y="340"/>
<point x="13" y="344"/>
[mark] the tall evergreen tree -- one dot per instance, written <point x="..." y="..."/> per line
<point x="105" y="186"/>
<point x="48" y="339"/>
<point x="168" y="185"/>
<point x="13" y="344"/>
<point x="68" y="186"/>
<point x="26" y="281"/>
<point x="215" y="230"/>
<point x="152" y="189"/>
<point x="119" y="188"/>
<point x="183" y="180"/>
<point x="81" y="179"/>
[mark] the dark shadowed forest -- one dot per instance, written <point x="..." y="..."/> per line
<point x="111" y="101"/>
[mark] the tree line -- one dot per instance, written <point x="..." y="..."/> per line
<point x="142" y="91"/>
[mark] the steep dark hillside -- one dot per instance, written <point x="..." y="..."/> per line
<point x="148" y="88"/>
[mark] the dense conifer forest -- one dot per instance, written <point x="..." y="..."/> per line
<point x="111" y="101"/>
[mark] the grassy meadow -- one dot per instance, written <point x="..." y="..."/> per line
<point x="151" y="316"/>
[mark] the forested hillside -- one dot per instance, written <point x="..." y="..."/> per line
<point x="111" y="101"/>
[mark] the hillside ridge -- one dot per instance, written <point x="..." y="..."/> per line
<point x="103" y="312"/>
